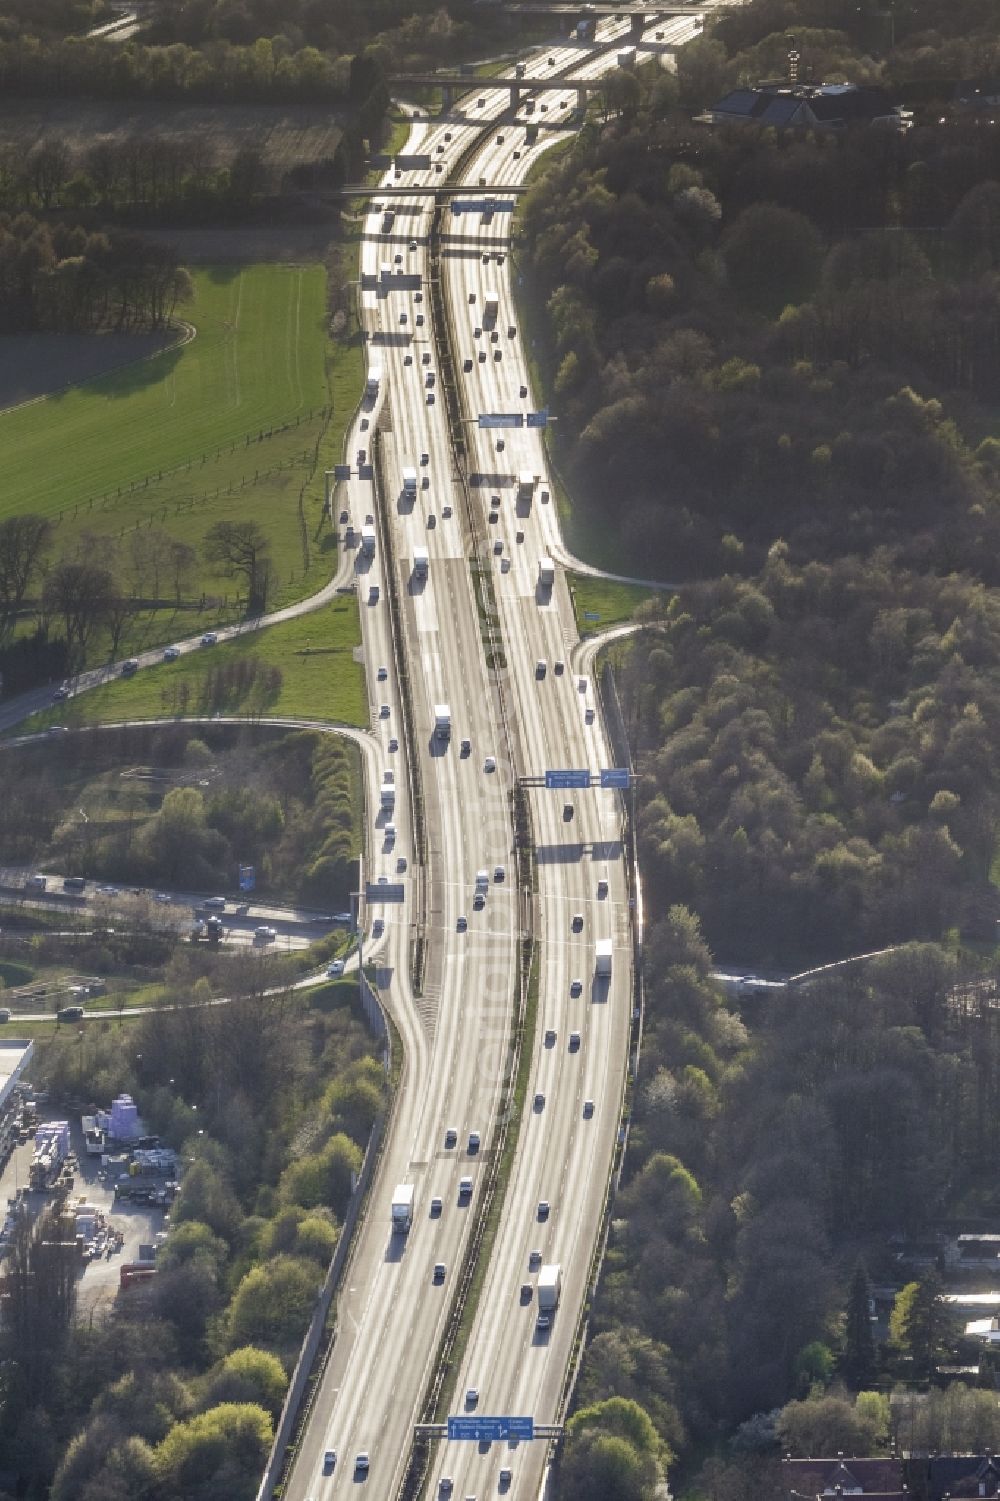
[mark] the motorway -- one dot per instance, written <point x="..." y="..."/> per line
<point x="392" y="1312"/>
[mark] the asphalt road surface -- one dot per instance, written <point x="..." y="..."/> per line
<point x="393" y="1311"/>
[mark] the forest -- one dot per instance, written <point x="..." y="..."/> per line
<point x="62" y="278"/>
<point x="817" y="760"/>
<point x="753" y="336"/>
<point x="247" y="50"/>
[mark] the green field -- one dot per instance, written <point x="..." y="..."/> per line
<point x="239" y="422"/>
<point x="257" y="361"/>
<point x="314" y="653"/>
<point x="613" y="603"/>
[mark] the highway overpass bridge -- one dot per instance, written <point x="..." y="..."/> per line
<point x="452" y="84"/>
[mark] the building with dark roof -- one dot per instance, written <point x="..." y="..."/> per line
<point x="807" y="106"/>
<point x="815" y="1478"/>
<point x="962" y="1475"/>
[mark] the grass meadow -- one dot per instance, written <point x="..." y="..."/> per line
<point x="241" y="421"/>
<point x="301" y="668"/>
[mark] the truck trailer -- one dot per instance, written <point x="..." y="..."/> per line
<point x="374" y="381"/>
<point x="546" y="572"/>
<point x="388" y="790"/>
<point x="602" y="957"/>
<point x="368" y="540"/>
<point x="491" y="309"/>
<point x="402" y="1208"/>
<point x="442" y="721"/>
<point x="409" y="480"/>
<point x="549" y="1288"/>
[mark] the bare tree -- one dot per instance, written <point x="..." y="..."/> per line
<point x="23" y="543"/>
<point x="183" y="560"/>
<point x="80" y="595"/>
<point x="241" y="548"/>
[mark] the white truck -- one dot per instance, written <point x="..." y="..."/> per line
<point x="409" y="480"/>
<point x="546" y="572"/>
<point x="526" y="482"/>
<point x="421" y="562"/>
<point x="602" y="957"/>
<point x="402" y="1208"/>
<point x="549" y="1287"/>
<point x="442" y="721"/>
<point x="626" y="58"/>
<point x="374" y="381"/>
<point x="368" y="539"/>
<point x="491" y="309"/>
<point x="388" y="789"/>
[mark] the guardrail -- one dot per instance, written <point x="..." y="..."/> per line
<point x="414" y="785"/>
<point x="607" y="690"/>
<point x="316" y="1345"/>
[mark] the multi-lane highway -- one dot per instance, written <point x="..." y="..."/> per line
<point x="530" y="714"/>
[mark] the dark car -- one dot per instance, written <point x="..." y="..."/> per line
<point x="70" y="1014"/>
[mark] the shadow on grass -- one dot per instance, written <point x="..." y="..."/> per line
<point x="132" y="379"/>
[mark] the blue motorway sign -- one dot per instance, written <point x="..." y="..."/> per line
<point x="567" y="778"/>
<point x="490" y="1430"/>
<point x="615" y="777"/>
<point x="538" y="419"/>
<point x="482" y="205"/>
<point x="501" y="419"/>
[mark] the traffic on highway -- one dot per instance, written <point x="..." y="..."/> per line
<point x="495" y="698"/>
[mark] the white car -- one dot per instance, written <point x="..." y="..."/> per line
<point x="336" y="969"/>
<point x="210" y="638"/>
<point x="383" y="673"/>
<point x="171" y="653"/>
